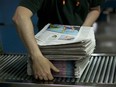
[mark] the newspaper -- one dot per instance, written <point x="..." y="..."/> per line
<point x="66" y="42"/>
<point x="80" y="66"/>
<point x="55" y="34"/>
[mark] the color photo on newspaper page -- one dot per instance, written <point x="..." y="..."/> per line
<point x="55" y="34"/>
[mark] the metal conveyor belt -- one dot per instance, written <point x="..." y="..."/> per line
<point x="100" y="70"/>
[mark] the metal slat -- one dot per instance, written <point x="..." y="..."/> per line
<point x="82" y="79"/>
<point x="19" y="70"/>
<point x="106" y="80"/>
<point x="16" y="75"/>
<point x="2" y="57"/>
<point x="112" y="72"/>
<point x="91" y="70"/>
<point x="20" y="65"/>
<point x="4" y="60"/>
<point x="95" y="70"/>
<point x="115" y="72"/>
<point x="101" y="69"/>
<point x="22" y="74"/>
<point x="104" y="70"/>
<point x="11" y="67"/>
<point x="6" y="66"/>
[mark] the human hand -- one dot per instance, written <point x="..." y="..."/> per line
<point x="42" y="68"/>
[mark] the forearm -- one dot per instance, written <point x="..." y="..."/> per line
<point x="92" y="16"/>
<point x="26" y="32"/>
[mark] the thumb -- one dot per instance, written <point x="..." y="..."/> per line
<point x="54" y="68"/>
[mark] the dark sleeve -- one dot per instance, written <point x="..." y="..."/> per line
<point x="94" y="3"/>
<point x="33" y="5"/>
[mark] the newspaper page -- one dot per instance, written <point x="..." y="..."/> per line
<point x="80" y="66"/>
<point x="55" y="34"/>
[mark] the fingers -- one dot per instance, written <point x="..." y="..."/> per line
<point x="40" y="77"/>
<point x="43" y="75"/>
<point x="43" y="72"/>
<point x="50" y="76"/>
<point x="37" y="74"/>
<point x="54" y="68"/>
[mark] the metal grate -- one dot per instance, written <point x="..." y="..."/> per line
<point x="101" y="69"/>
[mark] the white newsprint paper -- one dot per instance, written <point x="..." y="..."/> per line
<point x="55" y="34"/>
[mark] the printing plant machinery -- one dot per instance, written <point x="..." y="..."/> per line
<point x="100" y="72"/>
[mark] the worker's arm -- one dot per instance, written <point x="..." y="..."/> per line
<point x="41" y="65"/>
<point x="92" y="16"/>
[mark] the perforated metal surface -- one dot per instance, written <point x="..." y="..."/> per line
<point x="100" y="70"/>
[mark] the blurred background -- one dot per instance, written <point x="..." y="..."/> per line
<point x="105" y="28"/>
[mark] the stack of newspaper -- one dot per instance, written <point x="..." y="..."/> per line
<point x="66" y="42"/>
<point x="57" y="41"/>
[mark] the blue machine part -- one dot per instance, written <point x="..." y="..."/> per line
<point x="9" y="37"/>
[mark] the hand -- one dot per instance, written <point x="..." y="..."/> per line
<point x="42" y="68"/>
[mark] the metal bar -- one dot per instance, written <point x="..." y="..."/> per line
<point x="100" y="70"/>
<point x="17" y="73"/>
<point x="115" y="72"/>
<point x="82" y="79"/>
<point x="92" y="78"/>
<point x="6" y="69"/>
<point x="91" y="70"/>
<point x="4" y="60"/>
<point x="10" y="67"/>
<point x="18" y="67"/>
<point x="2" y="56"/>
<point x="107" y="74"/>
<point x="112" y="72"/>
<point x="104" y="70"/>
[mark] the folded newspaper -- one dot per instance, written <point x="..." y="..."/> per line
<point x="56" y="34"/>
<point x="66" y="42"/>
